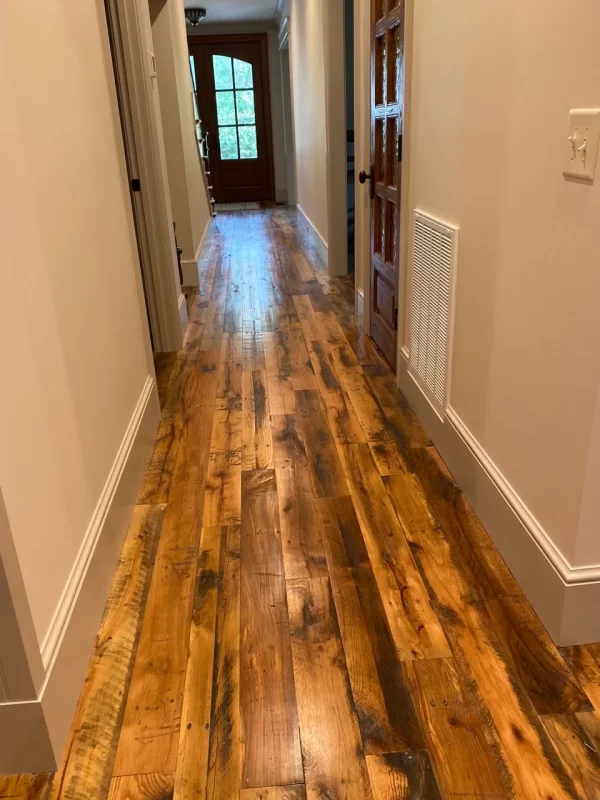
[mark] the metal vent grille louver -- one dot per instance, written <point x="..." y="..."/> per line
<point x="434" y="258"/>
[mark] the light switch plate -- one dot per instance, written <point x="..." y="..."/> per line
<point x="581" y="146"/>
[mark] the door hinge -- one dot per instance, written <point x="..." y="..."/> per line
<point x="136" y="186"/>
<point x="396" y="319"/>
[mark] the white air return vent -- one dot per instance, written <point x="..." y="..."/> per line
<point x="434" y="268"/>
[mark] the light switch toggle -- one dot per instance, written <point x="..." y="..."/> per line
<point x="582" y="143"/>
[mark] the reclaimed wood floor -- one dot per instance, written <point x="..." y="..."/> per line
<point x="306" y="606"/>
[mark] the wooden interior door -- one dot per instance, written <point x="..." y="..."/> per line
<point x="387" y="101"/>
<point x="232" y="80"/>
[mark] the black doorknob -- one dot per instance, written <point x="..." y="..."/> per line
<point x="363" y="177"/>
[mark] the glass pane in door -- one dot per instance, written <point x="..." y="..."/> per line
<point x="247" y="136"/>
<point x="236" y="113"/>
<point x="225" y="109"/>
<point x="193" y="71"/>
<point x="243" y="74"/>
<point x="228" y="144"/>
<point x="223" y="72"/>
<point x="245" y="107"/>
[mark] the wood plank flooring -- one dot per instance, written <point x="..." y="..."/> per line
<point x="306" y="607"/>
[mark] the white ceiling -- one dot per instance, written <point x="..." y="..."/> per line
<point x="234" y="10"/>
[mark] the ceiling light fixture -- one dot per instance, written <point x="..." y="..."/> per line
<point x="195" y="15"/>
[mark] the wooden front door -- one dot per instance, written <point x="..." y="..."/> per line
<point x="233" y="97"/>
<point x="387" y="96"/>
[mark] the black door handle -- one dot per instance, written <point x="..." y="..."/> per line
<point x="363" y="177"/>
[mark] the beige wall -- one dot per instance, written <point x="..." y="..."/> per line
<point x="275" y="89"/>
<point x="188" y="195"/>
<point x="491" y="94"/>
<point x="75" y="355"/>
<point x="307" y="56"/>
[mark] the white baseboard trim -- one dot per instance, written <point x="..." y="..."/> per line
<point x="33" y="733"/>
<point x="569" y="574"/>
<point x="189" y="272"/>
<point x="360" y="308"/>
<point x="189" y="267"/>
<point x="317" y="239"/>
<point x="183" y="313"/>
<point x="202" y="238"/>
<point x="562" y="595"/>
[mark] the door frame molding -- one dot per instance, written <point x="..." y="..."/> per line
<point x="405" y="194"/>
<point x="362" y="158"/>
<point x="336" y="131"/>
<point x="287" y="93"/>
<point x="137" y="89"/>
<point x="263" y="40"/>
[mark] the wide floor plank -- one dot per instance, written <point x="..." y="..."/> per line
<point x="158" y="476"/>
<point x="150" y="732"/>
<point x="387" y="457"/>
<point x="464" y="764"/>
<point x="403" y="776"/>
<point x="155" y="786"/>
<point x="267" y="695"/>
<point x="192" y="758"/>
<point x="324" y="463"/>
<point x="590" y="722"/>
<point x="369" y="413"/>
<point x="296" y="352"/>
<point x="297" y="792"/>
<point x="384" y="708"/>
<point x="524" y="752"/>
<point x="334" y="763"/>
<point x="280" y="388"/>
<point x="415" y="627"/>
<point x="257" y="443"/>
<point x="577" y="752"/>
<point x="226" y="747"/>
<point x="24" y="787"/>
<point x="223" y="492"/>
<point x="230" y="370"/>
<point x="541" y="668"/>
<point x="87" y="769"/>
<point x="584" y="661"/>
<point x="302" y="544"/>
<point x="342" y="417"/>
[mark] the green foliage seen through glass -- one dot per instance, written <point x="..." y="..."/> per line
<point x="245" y="107"/>
<point x="235" y="74"/>
<point x="247" y="134"/>
<point x="228" y="144"/>
<point x="193" y="71"/>
<point x="225" y="108"/>
<point x="243" y="74"/>
<point x="223" y="72"/>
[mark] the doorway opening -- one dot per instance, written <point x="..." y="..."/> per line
<point x="235" y="110"/>
<point x="143" y="143"/>
<point x="383" y="117"/>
